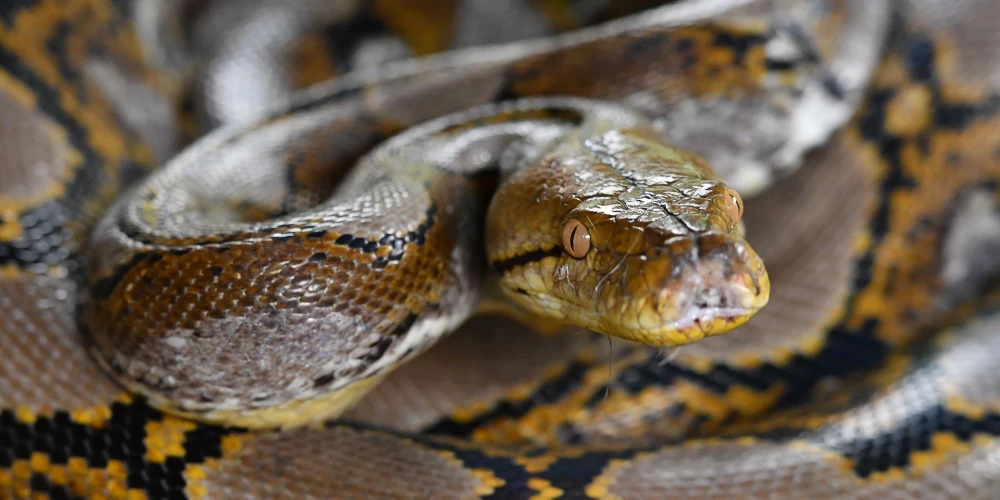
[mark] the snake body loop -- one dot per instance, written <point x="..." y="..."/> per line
<point x="287" y="318"/>
<point x="261" y="310"/>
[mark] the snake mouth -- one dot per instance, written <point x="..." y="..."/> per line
<point x="704" y="296"/>
<point x="713" y="309"/>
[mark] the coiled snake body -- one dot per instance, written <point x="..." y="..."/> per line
<point x="257" y="280"/>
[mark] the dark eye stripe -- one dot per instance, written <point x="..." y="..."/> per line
<point x="502" y="266"/>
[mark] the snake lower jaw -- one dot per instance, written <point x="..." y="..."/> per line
<point x="688" y="331"/>
<point x="681" y="317"/>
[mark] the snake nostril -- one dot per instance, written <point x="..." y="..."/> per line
<point x="712" y="300"/>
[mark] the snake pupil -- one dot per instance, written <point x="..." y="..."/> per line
<point x="576" y="239"/>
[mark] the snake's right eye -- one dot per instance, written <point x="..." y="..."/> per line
<point x="576" y="239"/>
<point x="734" y="205"/>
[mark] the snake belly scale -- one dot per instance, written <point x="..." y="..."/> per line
<point x="863" y="136"/>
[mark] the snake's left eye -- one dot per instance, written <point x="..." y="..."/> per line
<point x="575" y="239"/>
<point x="734" y="205"/>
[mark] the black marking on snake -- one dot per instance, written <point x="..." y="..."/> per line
<point x="124" y="8"/>
<point x="47" y="222"/>
<point x="341" y="94"/>
<point x="57" y="46"/>
<point x="59" y="438"/>
<point x="918" y="54"/>
<point x="910" y="433"/>
<point x="379" y="347"/>
<point x="398" y="244"/>
<point x="40" y="484"/>
<point x="571" y="474"/>
<point x="205" y="441"/>
<point x="513" y="476"/>
<point x="9" y="9"/>
<point x="103" y="288"/>
<point x="961" y="116"/>
<point x="894" y="448"/>
<point x="778" y="66"/>
<point x="549" y="392"/>
<point x="653" y="41"/>
<point x="342" y="40"/>
<point x="47" y="244"/>
<point x="870" y="124"/>
<point x="391" y="240"/>
<point x="323" y="380"/>
<point x="805" y="41"/>
<point x="51" y="243"/>
<point x="740" y="45"/>
<point x="504" y="265"/>
<point x="511" y="77"/>
<point x="684" y="48"/>
<point x="869" y="455"/>
<point x="318" y="257"/>
<point x="404" y="326"/>
<point x="844" y="352"/>
<point x="654" y="371"/>
<point x="576" y="473"/>
<point x="919" y="57"/>
<point x="833" y="87"/>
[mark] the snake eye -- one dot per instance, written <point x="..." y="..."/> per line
<point x="734" y="205"/>
<point x="575" y="239"/>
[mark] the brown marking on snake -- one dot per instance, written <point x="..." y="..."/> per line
<point x="701" y="60"/>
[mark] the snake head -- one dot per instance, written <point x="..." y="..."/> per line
<point x="622" y="234"/>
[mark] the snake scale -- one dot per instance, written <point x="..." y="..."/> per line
<point x="171" y="169"/>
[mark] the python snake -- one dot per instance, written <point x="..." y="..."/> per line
<point x="864" y="137"/>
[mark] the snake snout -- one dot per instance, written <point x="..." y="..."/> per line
<point x="710" y="293"/>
